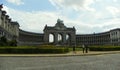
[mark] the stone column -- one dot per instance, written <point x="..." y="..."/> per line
<point x="64" y="38"/>
<point x="73" y="39"/>
<point x="0" y="18"/>
<point x="56" y="38"/>
<point x="46" y="38"/>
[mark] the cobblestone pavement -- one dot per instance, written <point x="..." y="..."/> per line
<point x="97" y="62"/>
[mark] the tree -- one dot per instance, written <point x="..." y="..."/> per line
<point x="3" y="41"/>
<point x="12" y="43"/>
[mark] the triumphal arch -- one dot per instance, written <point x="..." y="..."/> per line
<point x="62" y="35"/>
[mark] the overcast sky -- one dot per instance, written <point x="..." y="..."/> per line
<point x="87" y="16"/>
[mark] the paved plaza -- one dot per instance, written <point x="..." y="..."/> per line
<point x="96" y="62"/>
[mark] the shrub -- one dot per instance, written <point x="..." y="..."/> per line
<point x="3" y="41"/>
<point x="32" y="50"/>
<point x="104" y="48"/>
<point x="12" y="43"/>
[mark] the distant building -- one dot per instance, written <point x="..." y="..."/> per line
<point x="8" y="28"/>
<point x="62" y="35"/>
<point x="69" y="37"/>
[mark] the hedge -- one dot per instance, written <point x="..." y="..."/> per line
<point x="5" y="42"/>
<point x="104" y="48"/>
<point x="31" y="50"/>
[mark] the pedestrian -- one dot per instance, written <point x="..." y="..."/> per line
<point x="86" y="48"/>
<point x="74" y="50"/>
<point x="83" y="47"/>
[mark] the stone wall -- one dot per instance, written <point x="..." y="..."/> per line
<point x="94" y="39"/>
<point x="30" y="39"/>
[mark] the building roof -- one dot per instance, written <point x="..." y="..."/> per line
<point x="30" y="33"/>
<point x="115" y="29"/>
<point x="15" y="23"/>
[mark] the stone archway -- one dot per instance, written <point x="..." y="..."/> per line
<point x="60" y="32"/>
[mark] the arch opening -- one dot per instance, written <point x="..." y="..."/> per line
<point x="51" y="38"/>
<point x="67" y="37"/>
<point x="60" y="38"/>
<point x="68" y="40"/>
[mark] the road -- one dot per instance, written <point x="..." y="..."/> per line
<point x="96" y="62"/>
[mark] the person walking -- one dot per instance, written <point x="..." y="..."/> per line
<point x="86" y="48"/>
<point x="83" y="47"/>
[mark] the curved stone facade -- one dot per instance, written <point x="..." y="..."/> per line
<point x="111" y="37"/>
<point x="30" y="39"/>
<point x="115" y="36"/>
<point x="94" y="39"/>
<point x="11" y="31"/>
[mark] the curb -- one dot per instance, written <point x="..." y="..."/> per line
<point x="55" y="55"/>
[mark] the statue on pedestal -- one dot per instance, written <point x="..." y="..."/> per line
<point x="60" y="25"/>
